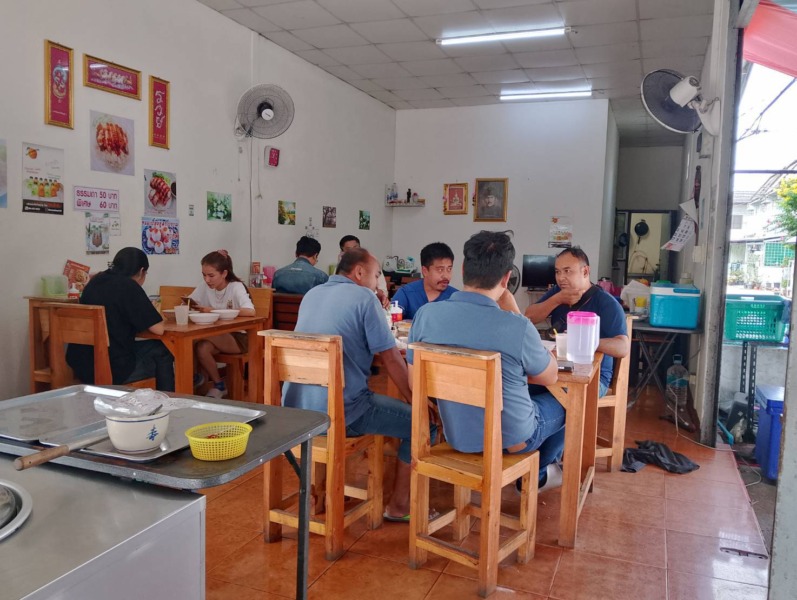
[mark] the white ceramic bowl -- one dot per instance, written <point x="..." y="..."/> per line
<point x="204" y="318"/>
<point x="225" y="314"/>
<point x="137" y="434"/>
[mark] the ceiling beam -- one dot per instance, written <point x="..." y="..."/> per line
<point x="746" y="11"/>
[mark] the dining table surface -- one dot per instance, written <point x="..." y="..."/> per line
<point x="180" y="339"/>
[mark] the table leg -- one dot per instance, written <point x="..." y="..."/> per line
<point x="303" y="534"/>
<point x="590" y="429"/>
<point x="255" y="377"/>
<point x="183" y="350"/>
<point x="571" y="465"/>
<point x="653" y="360"/>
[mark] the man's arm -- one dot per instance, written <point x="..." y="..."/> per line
<point x="508" y="303"/>
<point x="540" y="311"/>
<point x="397" y="371"/>
<point x="549" y="375"/>
<point x="617" y="346"/>
<point x="157" y="328"/>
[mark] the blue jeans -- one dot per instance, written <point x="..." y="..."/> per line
<point x="388" y="416"/>
<point x="153" y="359"/>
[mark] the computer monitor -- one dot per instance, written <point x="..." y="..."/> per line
<point x="539" y="271"/>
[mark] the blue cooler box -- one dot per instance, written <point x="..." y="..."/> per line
<point x="674" y="305"/>
<point x="767" y="443"/>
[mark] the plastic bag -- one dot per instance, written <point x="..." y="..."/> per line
<point x="135" y="404"/>
<point x="656" y="453"/>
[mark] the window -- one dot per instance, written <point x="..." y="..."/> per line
<point x="736" y="221"/>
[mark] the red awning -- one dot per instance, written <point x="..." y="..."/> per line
<point x="771" y="38"/>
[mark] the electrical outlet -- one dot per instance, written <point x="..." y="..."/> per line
<point x="698" y="254"/>
<point x="190" y="210"/>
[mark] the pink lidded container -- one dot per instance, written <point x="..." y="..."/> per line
<point x="583" y="336"/>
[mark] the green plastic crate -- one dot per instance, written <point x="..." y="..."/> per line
<point x="755" y="317"/>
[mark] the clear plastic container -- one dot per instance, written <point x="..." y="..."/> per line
<point x="677" y="382"/>
<point x="54" y="285"/>
<point x="583" y="336"/>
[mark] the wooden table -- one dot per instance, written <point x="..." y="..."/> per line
<point x="179" y="339"/>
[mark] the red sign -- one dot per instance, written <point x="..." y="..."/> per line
<point x="110" y="77"/>
<point x="158" y="112"/>
<point x="58" y="75"/>
<point x="272" y="156"/>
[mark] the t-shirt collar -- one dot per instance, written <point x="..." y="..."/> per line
<point x="473" y="298"/>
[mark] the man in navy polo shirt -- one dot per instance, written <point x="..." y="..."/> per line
<point x="347" y="306"/>
<point x="485" y="316"/>
<point x="437" y="262"/>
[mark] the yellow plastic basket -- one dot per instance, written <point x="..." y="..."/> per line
<point x="218" y="441"/>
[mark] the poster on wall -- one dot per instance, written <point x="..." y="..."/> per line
<point x="286" y="212"/>
<point x="95" y="199"/>
<point x="160" y="191"/>
<point x="58" y="85"/>
<point x="561" y="232"/>
<point x="330" y="216"/>
<point x="365" y="220"/>
<point x="112" y="144"/>
<point x="160" y="235"/>
<point x="3" y="174"/>
<point x="77" y="274"/>
<point x="42" y="171"/>
<point x="109" y="77"/>
<point x="115" y="224"/>
<point x="158" y="112"/>
<point x="219" y="207"/>
<point x="97" y="233"/>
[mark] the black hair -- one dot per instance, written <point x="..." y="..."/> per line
<point x="348" y="238"/>
<point x="129" y="262"/>
<point x="307" y="246"/>
<point x="435" y="251"/>
<point x="575" y="252"/>
<point x="487" y="257"/>
<point x="352" y="258"/>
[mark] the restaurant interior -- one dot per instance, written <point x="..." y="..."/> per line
<point x="377" y="105"/>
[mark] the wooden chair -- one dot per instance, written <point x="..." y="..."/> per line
<point x="172" y="295"/>
<point x="318" y="359"/>
<point x="616" y="399"/>
<point x="471" y="377"/>
<point x="286" y="310"/>
<point x="81" y="324"/>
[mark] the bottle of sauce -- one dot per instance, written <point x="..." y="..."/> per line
<point x="73" y="293"/>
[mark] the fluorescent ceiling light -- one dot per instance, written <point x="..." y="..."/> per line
<point x="546" y="95"/>
<point x="497" y="37"/>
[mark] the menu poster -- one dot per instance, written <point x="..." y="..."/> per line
<point x="97" y="233"/>
<point x="95" y="199"/>
<point x="42" y="172"/>
<point x="3" y="174"/>
<point x="160" y="190"/>
<point x="160" y="235"/>
<point x="561" y="233"/>
<point x="115" y="224"/>
<point x="76" y="274"/>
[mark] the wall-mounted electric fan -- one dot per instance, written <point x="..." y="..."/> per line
<point x="514" y="280"/>
<point x="264" y="111"/>
<point x="675" y="102"/>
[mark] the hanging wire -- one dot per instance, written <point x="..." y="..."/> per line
<point x="753" y="128"/>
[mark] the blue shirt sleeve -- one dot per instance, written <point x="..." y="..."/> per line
<point x="612" y="319"/>
<point x="535" y="356"/>
<point x="377" y="333"/>
<point x="554" y="290"/>
<point x="401" y="297"/>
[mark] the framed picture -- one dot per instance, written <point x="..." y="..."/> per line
<point x="158" y="112"/>
<point x="58" y="86"/>
<point x="110" y="77"/>
<point x="492" y="196"/>
<point x="455" y="199"/>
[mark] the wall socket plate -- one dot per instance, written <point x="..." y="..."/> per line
<point x="699" y="254"/>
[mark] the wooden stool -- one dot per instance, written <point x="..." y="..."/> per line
<point x="471" y="377"/>
<point x="318" y="360"/>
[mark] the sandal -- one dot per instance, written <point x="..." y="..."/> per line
<point x="433" y="514"/>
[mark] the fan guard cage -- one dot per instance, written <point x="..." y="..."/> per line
<point x="665" y="111"/>
<point x="253" y="101"/>
<point x="514" y="279"/>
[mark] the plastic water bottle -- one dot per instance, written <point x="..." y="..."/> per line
<point x="677" y="381"/>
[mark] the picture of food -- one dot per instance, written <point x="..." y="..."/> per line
<point x="112" y="139"/>
<point x="160" y="190"/>
<point x="160" y="236"/>
<point x="32" y="153"/>
<point x="112" y="145"/>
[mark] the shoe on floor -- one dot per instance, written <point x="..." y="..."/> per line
<point x="554" y="478"/>
<point x="199" y="379"/>
<point x="215" y="392"/>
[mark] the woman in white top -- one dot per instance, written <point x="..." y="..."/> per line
<point x="223" y="289"/>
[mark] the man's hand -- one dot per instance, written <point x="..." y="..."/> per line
<point x="508" y="303"/>
<point x="569" y="296"/>
<point x="383" y="299"/>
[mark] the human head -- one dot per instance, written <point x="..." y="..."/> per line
<point x="437" y="262"/>
<point x="489" y="198"/>
<point x="308" y="248"/>
<point x="347" y="242"/>
<point x="360" y="266"/>
<point x="217" y="269"/>
<point x="130" y="262"/>
<point x="572" y="269"/>
<point x="487" y="258"/>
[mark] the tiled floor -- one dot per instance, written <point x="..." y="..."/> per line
<point x="649" y="535"/>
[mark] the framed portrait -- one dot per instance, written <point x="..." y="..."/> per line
<point x="110" y="77"/>
<point x="492" y="196"/>
<point x="158" y="112"/>
<point x="58" y="86"/>
<point x="455" y="199"/>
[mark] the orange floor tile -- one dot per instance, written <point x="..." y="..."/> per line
<point x="645" y="535"/>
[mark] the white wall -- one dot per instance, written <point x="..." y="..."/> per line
<point x="553" y="153"/>
<point x="339" y="150"/>
<point x="649" y="178"/>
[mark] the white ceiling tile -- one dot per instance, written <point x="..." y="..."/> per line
<point x="381" y="70"/>
<point x="681" y="27"/>
<point x="602" y="54"/>
<point x="358" y="55"/>
<point x="385" y="96"/>
<point x="343" y="72"/>
<point x="478" y="101"/>
<point x="569" y="85"/>
<point x="432" y="104"/>
<point x="450" y="80"/>
<point x="688" y="65"/>
<point x="541" y="16"/>
<point x="511" y="88"/>
<point x="401" y="83"/>
<point x="555" y="73"/>
<point x="487" y="4"/>
<point x="589" y="12"/>
<point x="317" y="58"/>
<point x="432" y="67"/>
<point x="511" y="76"/>
<point x="466" y="91"/>
<point x="487" y="63"/>
<point x="400" y="105"/>
<point x="618" y="81"/>
<point x="420" y="8"/>
<point x="356" y="11"/>
<point x="466" y="50"/>
<point x="603" y="35"/>
<point x="558" y="42"/>
<point x="427" y="94"/>
<point x="288" y="41"/>
<point x="296" y="15"/>
<point x="412" y="51"/>
<point x="331" y="36"/>
<point x="653" y="9"/>
<point x="613" y="68"/>
<point x="679" y="47"/>
<point x="456" y="25"/>
<point x="250" y="19"/>
<point x="388" y="32"/>
<point x="222" y="4"/>
<point x="366" y="85"/>
<point x="263" y="2"/>
<point x="551" y="58"/>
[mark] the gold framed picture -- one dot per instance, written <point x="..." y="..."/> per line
<point x="159" y="97"/>
<point x="455" y="199"/>
<point x="110" y="77"/>
<point x="492" y="196"/>
<point x="58" y="86"/>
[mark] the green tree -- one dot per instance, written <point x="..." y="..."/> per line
<point x="787" y="193"/>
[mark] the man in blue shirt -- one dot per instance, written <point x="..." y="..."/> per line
<point x="573" y="291"/>
<point x="347" y="306"/>
<point x="437" y="262"/>
<point x="485" y="316"/>
<point x="301" y="276"/>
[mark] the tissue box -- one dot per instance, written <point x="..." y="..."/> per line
<point x="674" y="305"/>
